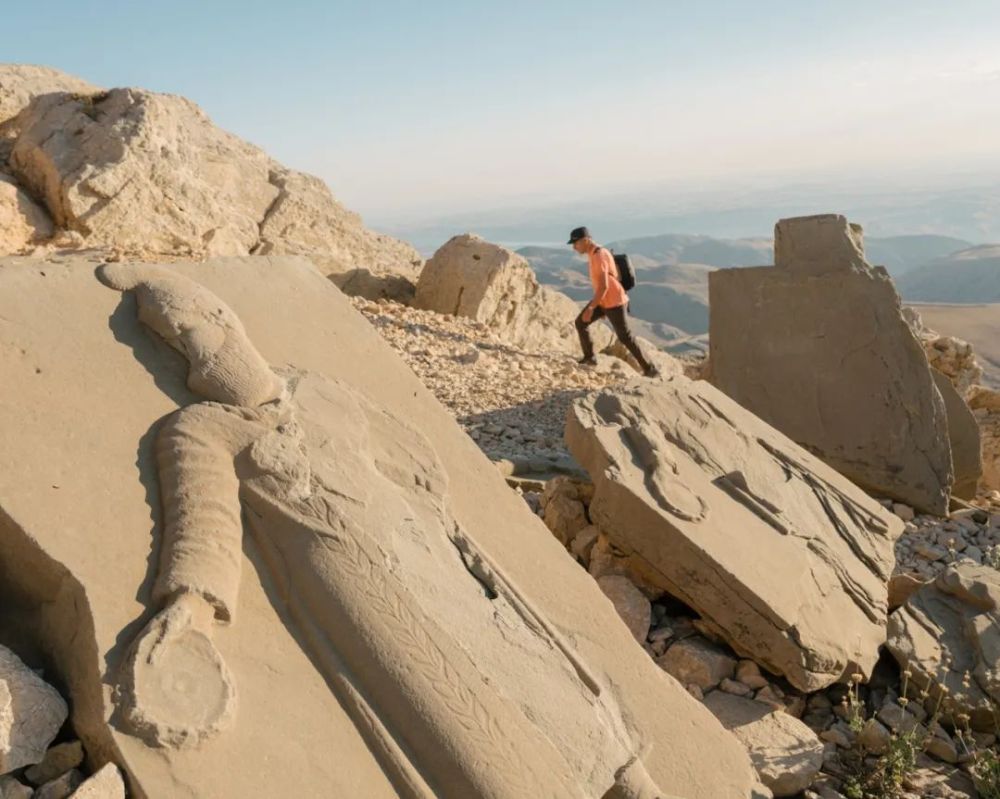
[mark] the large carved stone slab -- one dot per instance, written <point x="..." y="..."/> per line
<point x="784" y="557"/>
<point x="817" y="347"/>
<point x="948" y="634"/>
<point x="373" y="556"/>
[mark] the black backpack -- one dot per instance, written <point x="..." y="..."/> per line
<point x="626" y="274"/>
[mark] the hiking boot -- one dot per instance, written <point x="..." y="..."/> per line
<point x="591" y="361"/>
<point x="651" y="371"/>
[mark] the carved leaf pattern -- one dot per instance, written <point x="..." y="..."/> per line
<point x="410" y="630"/>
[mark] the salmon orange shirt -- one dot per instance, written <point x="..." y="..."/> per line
<point x="604" y="272"/>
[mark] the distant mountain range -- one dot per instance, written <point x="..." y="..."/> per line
<point x="971" y="275"/>
<point x="671" y="295"/>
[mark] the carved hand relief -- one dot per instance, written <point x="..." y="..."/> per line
<point x="348" y="505"/>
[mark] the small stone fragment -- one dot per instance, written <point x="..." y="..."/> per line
<point x="11" y="788"/>
<point x="61" y="787"/>
<point x="57" y="761"/>
<point x="25" y="736"/>
<point x="106" y="783"/>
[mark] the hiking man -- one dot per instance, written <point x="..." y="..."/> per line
<point x="609" y="300"/>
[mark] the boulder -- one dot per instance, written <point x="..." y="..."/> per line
<point x="786" y="753"/>
<point x="695" y="661"/>
<point x="58" y="760"/>
<point x="817" y="346"/>
<point x="462" y="586"/>
<point x="106" y="783"/>
<point x="948" y="634"/>
<point x="630" y="602"/>
<point x="11" y="788"/>
<point x="149" y="174"/>
<point x="31" y="713"/>
<point x="22" y="221"/>
<point x="964" y="437"/>
<point x="783" y="557"/>
<point x="61" y="787"/>
<point x="473" y="278"/>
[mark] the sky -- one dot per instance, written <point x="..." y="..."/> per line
<point x="413" y="110"/>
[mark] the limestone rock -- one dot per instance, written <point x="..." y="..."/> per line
<point x="31" y="713"/>
<point x="21" y="83"/>
<point x="785" y="752"/>
<point x="58" y="760"/>
<point x="305" y="219"/>
<point x="61" y="787"/>
<point x="149" y="174"/>
<point x="694" y="661"/>
<point x="817" y="347"/>
<point x="473" y="278"/>
<point x="630" y="602"/>
<point x="106" y="783"/>
<point x="964" y="437"/>
<point x="458" y="555"/>
<point x="22" y="221"/>
<point x="949" y="629"/>
<point x="11" y="788"/>
<point x="784" y="557"/>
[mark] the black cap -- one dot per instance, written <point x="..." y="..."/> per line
<point x="577" y="234"/>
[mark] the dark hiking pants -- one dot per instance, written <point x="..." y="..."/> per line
<point x="618" y="321"/>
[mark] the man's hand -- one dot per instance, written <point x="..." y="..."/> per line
<point x="175" y="689"/>
<point x="588" y="313"/>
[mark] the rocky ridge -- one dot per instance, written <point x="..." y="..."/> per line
<point x="143" y="175"/>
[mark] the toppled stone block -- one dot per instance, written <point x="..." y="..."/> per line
<point x="342" y="539"/>
<point x="31" y="713"/>
<point x="948" y="634"/>
<point x="781" y="555"/>
<point x="786" y="753"/>
<point x="473" y="278"/>
<point x="817" y="347"/>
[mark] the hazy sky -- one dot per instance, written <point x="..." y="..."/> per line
<point x="412" y="109"/>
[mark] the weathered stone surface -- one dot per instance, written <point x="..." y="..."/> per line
<point x="149" y="174"/>
<point x="77" y="466"/>
<point x="22" y="221"/>
<point x="562" y="510"/>
<point x="305" y="219"/>
<point x="963" y="434"/>
<point x="817" y="347"/>
<point x="784" y="557"/>
<point x="471" y="277"/>
<point x="58" y="760"/>
<point x="695" y="661"/>
<point x="950" y="629"/>
<point x="785" y="752"/>
<point x="106" y="783"/>
<point x="31" y="713"/>
<point x="21" y="83"/>
<point x="630" y="602"/>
